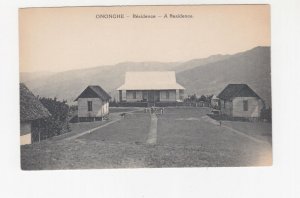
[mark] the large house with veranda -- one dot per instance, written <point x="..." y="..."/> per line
<point x="93" y="104"/>
<point x="151" y="87"/>
<point x="240" y="101"/>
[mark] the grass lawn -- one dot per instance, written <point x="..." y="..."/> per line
<point x="82" y="154"/>
<point x="258" y="130"/>
<point x="84" y="126"/>
<point x="186" y="137"/>
<point x="133" y="128"/>
<point x="78" y="128"/>
<point x="190" y="127"/>
<point x="121" y="109"/>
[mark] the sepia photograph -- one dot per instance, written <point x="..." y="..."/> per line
<point x="110" y="87"/>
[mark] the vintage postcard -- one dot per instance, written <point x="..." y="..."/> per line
<point x="145" y="87"/>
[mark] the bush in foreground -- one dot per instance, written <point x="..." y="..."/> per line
<point x="54" y="125"/>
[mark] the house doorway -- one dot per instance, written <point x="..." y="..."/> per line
<point x="153" y="96"/>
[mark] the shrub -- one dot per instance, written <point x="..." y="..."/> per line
<point x="54" y="125"/>
<point x="266" y="114"/>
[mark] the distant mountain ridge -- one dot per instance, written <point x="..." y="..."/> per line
<point x="201" y="76"/>
<point x="252" y="67"/>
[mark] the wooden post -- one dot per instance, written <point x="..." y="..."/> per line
<point x="39" y="130"/>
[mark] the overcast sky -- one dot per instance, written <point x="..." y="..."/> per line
<point x="58" y="39"/>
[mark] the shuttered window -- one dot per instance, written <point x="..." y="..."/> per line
<point x="245" y="105"/>
<point x="134" y="94"/>
<point x="90" y="106"/>
<point x="145" y="95"/>
<point x="167" y="94"/>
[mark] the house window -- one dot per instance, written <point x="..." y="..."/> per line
<point x="167" y="94"/>
<point x="134" y="94"/>
<point x="90" y="106"/>
<point x="145" y="95"/>
<point x="245" y="105"/>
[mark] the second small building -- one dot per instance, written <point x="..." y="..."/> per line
<point x="93" y="104"/>
<point x="240" y="101"/>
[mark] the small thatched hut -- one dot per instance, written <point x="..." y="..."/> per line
<point x="31" y="109"/>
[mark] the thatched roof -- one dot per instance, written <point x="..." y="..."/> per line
<point x="237" y="90"/>
<point x="30" y="107"/>
<point x="94" y="91"/>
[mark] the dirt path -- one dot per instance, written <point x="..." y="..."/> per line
<point x="152" y="136"/>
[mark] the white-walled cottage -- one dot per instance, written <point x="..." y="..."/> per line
<point x="240" y="101"/>
<point x="93" y="104"/>
<point x="214" y="102"/>
<point x="31" y="110"/>
<point x="158" y="86"/>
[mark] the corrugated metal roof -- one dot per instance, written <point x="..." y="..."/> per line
<point x="94" y="91"/>
<point x="30" y="107"/>
<point x="158" y="80"/>
<point x="237" y="90"/>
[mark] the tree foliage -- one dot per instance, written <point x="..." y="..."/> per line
<point x="202" y="98"/>
<point x="113" y="103"/>
<point x="57" y="123"/>
<point x="266" y="114"/>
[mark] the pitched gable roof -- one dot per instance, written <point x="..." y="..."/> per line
<point x="30" y="107"/>
<point x="237" y="90"/>
<point x="155" y="80"/>
<point x="94" y="91"/>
